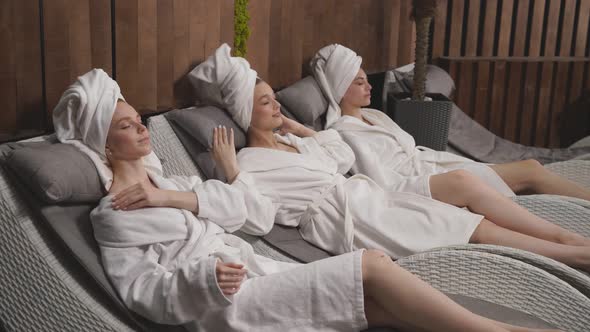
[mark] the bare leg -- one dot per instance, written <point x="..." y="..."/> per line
<point x="463" y="189"/>
<point x="397" y="298"/>
<point x="490" y="233"/>
<point x="530" y="175"/>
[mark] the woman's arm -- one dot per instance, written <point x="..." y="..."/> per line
<point x="145" y="194"/>
<point x="213" y="200"/>
<point x="170" y="296"/>
<point x="295" y="128"/>
<point x="329" y="140"/>
<point x="260" y="209"/>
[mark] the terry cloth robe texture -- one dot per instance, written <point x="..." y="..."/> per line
<point x="83" y="116"/>
<point x="387" y="154"/>
<point x="307" y="190"/>
<point x="162" y="262"/>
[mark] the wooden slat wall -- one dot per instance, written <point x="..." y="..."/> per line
<point x="156" y="42"/>
<point x="47" y="44"/>
<point x="286" y="34"/>
<point x="21" y="86"/>
<point x="521" y="101"/>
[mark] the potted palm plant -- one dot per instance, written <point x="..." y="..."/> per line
<point x="424" y="116"/>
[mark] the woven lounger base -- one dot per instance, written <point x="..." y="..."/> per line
<point x="528" y="289"/>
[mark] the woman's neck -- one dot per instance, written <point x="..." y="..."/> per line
<point x="262" y="138"/>
<point x="351" y="111"/>
<point x="127" y="173"/>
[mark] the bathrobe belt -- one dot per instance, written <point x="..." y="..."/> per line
<point x="314" y="230"/>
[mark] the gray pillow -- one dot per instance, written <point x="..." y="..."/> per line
<point x="194" y="127"/>
<point x="305" y="100"/>
<point x="57" y="173"/>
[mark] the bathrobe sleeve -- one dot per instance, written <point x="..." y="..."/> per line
<point x="336" y="148"/>
<point x="260" y="206"/>
<point x="219" y="202"/>
<point x="168" y="296"/>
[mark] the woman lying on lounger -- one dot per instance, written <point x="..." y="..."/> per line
<point x="389" y="155"/>
<point x="164" y="246"/>
<point x="298" y="181"/>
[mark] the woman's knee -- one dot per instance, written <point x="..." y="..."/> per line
<point x="482" y="232"/>
<point x="462" y="184"/>
<point x="532" y="172"/>
<point x="373" y="262"/>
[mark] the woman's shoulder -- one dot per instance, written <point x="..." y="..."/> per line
<point x="103" y="208"/>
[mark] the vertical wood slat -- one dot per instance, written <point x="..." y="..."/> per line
<point x="465" y="84"/>
<point x="440" y="23"/>
<point x="520" y="29"/>
<point x="472" y="27"/>
<point x="580" y="49"/>
<point x="8" y="93"/>
<point x="258" y="43"/>
<point x="530" y="99"/>
<point x="456" y="36"/>
<point x="562" y="73"/>
<point x="20" y="69"/>
<point x="482" y="95"/>
<point x="391" y="27"/>
<point x="515" y="75"/>
<point x="543" y="109"/>
<point x="28" y="66"/>
<point x="497" y="109"/>
<point x="498" y="94"/>
<point x="406" y="33"/>
<point x="512" y="123"/>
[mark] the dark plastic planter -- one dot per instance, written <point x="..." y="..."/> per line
<point x="426" y="121"/>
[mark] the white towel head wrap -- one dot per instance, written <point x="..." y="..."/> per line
<point x="334" y="68"/>
<point x="83" y="116"/>
<point x="234" y="79"/>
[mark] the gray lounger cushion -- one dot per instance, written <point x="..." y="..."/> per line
<point x="304" y="99"/>
<point x="473" y="140"/>
<point x="56" y="172"/>
<point x="194" y="126"/>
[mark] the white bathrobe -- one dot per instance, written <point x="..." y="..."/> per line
<point x="162" y="263"/>
<point x="308" y="190"/>
<point x="387" y="154"/>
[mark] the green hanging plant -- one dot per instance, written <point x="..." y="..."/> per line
<point x="241" y="29"/>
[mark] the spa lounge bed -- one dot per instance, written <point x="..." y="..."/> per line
<point x="52" y="280"/>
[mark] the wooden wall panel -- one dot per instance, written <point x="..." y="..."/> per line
<point x="156" y="42"/>
<point x="159" y="41"/>
<point x="20" y="70"/>
<point x="77" y="38"/>
<point x="258" y="43"/>
<point x="287" y="33"/>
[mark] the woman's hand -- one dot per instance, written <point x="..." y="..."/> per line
<point x="142" y="194"/>
<point x="295" y="128"/>
<point x="229" y="276"/>
<point x="224" y="152"/>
